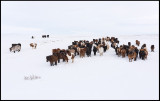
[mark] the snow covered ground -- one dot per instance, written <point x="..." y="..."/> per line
<point x="104" y="77"/>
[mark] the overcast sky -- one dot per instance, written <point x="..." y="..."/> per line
<point x="75" y="17"/>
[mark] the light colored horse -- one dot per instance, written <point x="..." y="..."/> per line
<point x="15" y="48"/>
<point x="70" y="55"/>
<point x="101" y="50"/>
<point x="33" y="45"/>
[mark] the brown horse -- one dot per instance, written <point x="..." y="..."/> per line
<point x="82" y="52"/>
<point x="55" y="50"/>
<point x="33" y="45"/>
<point x="123" y="52"/>
<point x="119" y="51"/>
<point x="52" y="59"/>
<point x="137" y="42"/>
<point x="132" y="55"/>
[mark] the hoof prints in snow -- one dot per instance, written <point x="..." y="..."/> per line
<point x="31" y="77"/>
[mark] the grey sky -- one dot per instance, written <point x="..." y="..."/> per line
<point x="74" y="17"/>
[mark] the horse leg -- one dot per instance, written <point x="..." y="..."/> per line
<point x="146" y="57"/>
<point x="51" y="63"/>
<point x="65" y="60"/>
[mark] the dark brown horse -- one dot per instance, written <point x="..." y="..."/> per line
<point x="52" y="59"/>
<point x="152" y="48"/>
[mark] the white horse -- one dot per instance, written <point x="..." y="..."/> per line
<point x="70" y="55"/>
<point x="101" y="50"/>
<point x="15" y="48"/>
<point x="107" y="46"/>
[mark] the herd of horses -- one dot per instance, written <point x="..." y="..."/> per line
<point x="43" y="36"/>
<point x="101" y="45"/>
<point x="84" y="48"/>
<point x="132" y="51"/>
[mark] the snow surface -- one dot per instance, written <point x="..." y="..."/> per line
<point x="104" y="77"/>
